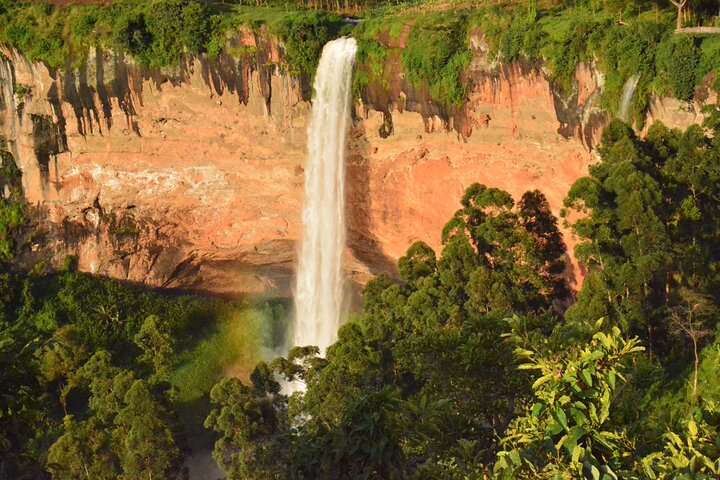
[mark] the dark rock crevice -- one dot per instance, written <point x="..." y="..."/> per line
<point x="47" y="144"/>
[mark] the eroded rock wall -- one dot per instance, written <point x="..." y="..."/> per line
<point x="193" y="178"/>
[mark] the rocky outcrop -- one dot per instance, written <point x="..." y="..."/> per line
<point x="193" y="178"/>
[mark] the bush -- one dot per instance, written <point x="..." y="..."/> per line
<point x="683" y="67"/>
<point x="304" y="36"/>
<point x="437" y="52"/>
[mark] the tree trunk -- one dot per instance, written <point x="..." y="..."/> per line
<point x="697" y="364"/>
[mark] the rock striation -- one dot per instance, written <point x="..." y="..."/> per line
<point x="192" y="178"/>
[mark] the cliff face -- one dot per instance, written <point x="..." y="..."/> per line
<point x="193" y="178"/>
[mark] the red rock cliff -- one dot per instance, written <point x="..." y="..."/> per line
<point x="193" y="178"/>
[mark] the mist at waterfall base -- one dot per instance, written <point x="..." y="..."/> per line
<point x="320" y="284"/>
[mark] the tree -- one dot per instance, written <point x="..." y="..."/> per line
<point x="252" y="423"/>
<point x="567" y="432"/>
<point x="691" y="318"/>
<point x="145" y="435"/>
<point x="691" y="452"/>
<point x="680" y="5"/>
<point x="20" y="407"/>
<point x="622" y="224"/>
<point x="365" y="444"/>
<point x="537" y="218"/>
<point x="412" y="385"/>
<point x="84" y="451"/>
<point x="156" y="344"/>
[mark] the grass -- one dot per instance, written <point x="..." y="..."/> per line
<point x="273" y="17"/>
<point x="231" y="347"/>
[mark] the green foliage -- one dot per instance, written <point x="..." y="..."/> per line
<point x="692" y="453"/>
<point x="86" y="367"/>
<point x="230" y="345"/>
<point x="12" y="215"/>
<point x="682" y="67"/>
<point x="304" y="36"/>
<point x="424" y="357"/>
<point x="145" y="434"/>
<point x="622" y="38"/>
<point x="437" y="52"/>
<point x="128" y="434"/>
<point x="642" y="44"/>
<point x="20" y="416"/>
<point x="567" y="430"/>
<point x="156" y="344"/>
<point x="371" y="58"/>
<point x="157" y="33"/>
<point x="161" y="32"/>
<point x="648" y="227"/>
<point x="21" y="91"/>
<point x="251" y="426"/>
<point x="13" y="208"/>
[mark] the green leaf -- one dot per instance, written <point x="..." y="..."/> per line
<point x="561" y="418"/>
<point x="608" y="473"/>
<point x="586" y="377"/>
<point x="544" y="379"/>
<point x="553" y="429"/>
<point x="577" y="453"/>
<point x="515" y="457"/>
<point x="529" y="366"/>
<point x="611" y="379"/>
<point x="590" y="471"/>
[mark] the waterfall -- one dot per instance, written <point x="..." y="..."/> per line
<point x="320" y="282"/>
<point x="627" y="95"/>
<point x="7" y="96"/>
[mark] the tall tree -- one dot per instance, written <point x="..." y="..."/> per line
<point x="680" y="5"/>
<point x="145" y="435"/>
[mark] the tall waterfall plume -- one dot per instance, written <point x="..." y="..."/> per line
<point x="320" y="283"/>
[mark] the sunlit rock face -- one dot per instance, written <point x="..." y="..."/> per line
<point x="193" y="177"/>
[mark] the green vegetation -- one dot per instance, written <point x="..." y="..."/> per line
<point x="623" y="42"/>
<point x="158" y="33"/>
<point x="305" y="35"/>
<point x="12" y="203"/>
<point x="102" y="379"/>
<point x="437" y="53"/>
<point x="468" y="368"/>
<point x="431" y="42"/>
<point x="229" y="348"/>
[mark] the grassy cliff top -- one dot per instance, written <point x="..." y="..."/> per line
<point x="621" y="38"/>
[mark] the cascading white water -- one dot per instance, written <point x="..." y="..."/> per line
<point x="320" y="283"/>
<point x="628" y="92"/>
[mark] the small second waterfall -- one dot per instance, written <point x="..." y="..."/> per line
<point x="320" y="283"/>
<point x="628" y="92"/>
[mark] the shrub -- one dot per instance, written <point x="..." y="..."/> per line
<point x="683" y="67"/>
<point x="437" y="52"/>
